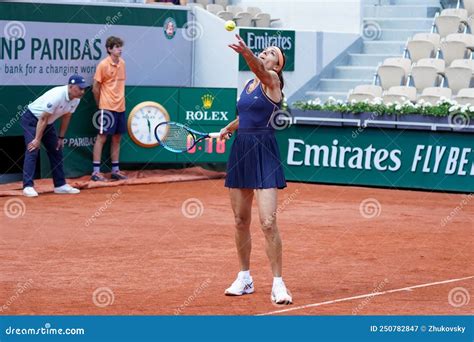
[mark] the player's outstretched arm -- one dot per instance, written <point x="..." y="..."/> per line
<point x="268" y="77"/>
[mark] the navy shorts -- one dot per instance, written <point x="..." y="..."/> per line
<point x="111" y="122"/>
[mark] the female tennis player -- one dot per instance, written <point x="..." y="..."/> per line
<point x="254" y="166"/>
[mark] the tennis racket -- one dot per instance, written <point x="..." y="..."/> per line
<point x="179" y="138"/>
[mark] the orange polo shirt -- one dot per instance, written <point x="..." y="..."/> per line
<point x="111" y="77"/>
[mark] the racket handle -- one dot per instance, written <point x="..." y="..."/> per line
<point x="217" y="135"/>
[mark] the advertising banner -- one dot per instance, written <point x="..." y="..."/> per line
<point x="44" y="44"/>
<point x="259" y="39"/>
<point x="378" y="157"/>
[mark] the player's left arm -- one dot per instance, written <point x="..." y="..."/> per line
<point x="65" y="119"/>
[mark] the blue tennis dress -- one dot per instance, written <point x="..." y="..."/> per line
<point x="254" y="161"/>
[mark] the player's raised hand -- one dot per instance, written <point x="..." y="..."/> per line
<point x="240" y="46"/>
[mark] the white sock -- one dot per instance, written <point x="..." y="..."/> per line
<point x="244" y="274"/>
<point x="277" y="281"/>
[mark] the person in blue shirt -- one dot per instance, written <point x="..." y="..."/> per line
<point x="254" y="166"/>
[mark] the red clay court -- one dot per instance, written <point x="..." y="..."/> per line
<point x="133" y="249"/>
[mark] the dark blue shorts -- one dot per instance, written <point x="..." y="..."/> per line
<point x="112" y="122"/>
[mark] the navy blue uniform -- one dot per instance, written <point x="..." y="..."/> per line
<point x="254" y="161"/>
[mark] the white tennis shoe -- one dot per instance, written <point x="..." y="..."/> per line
<point x="29" y="191"/>
<point x="240" y="287"/>
<point x="280" y="294"/>
<point x="66" y="189"/>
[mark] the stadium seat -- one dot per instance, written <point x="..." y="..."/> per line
<point x="427" y="73"/>
<point x="399" y="94"/>
<point x="204" y="3"/>
<point x="234" y="9"/>
<point x="433" y="94"/>
<point x="214" y="9"/>
<point x="469" y="6"/>
<point x="451" y="20"/>
<point x="459" y="12"/>
<point x="223" y="3"/>
<point x="466" y="38"/>
<point x="465" y="96"/>
<point x="365" y="92"/>
<point x="466" y="63"/>
<point x="459" y="74"/>
<point x="224" y="15"/>
<point x="243" y="19"/>
<point x="423" y="45"/>
<point x="393" y="72"/>
<point x="262" y="20"/>
<point x="254" y="10"/>
<point x="452" y="50"/>
<point x="195" y="4"/>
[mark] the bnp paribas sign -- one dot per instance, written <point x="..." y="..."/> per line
<point x="259" y="39"/>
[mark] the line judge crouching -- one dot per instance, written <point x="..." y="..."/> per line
<point x="38" y="127"/>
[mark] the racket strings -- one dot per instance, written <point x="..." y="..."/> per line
<point x="178" y="138"/>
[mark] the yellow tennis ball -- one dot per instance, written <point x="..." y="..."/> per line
<point x="229" y="25"/>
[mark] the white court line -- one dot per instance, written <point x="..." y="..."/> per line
<point x="373" y="294"/>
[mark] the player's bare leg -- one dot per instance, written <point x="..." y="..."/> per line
<point x="267" y="201"/>
<point x="241" y="200"/>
